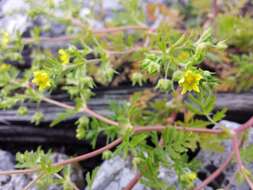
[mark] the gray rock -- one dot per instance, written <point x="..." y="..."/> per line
<point x="217" y="158"/>
<point x="15" y="18"/>
<point x="76" y="170"/>
<point x="6" y="160"/>
<point x="6" y="163"/>
<point x="168" y="175"/>
<point x="115" y="174"/>
<point x="17" y="182"/>
<point x="14" y="182"/>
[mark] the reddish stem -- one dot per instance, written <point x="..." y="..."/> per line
<point x="138" y="176"/>
<point x="214" y="8"/>
<point x="244" y="126"/>
<point x="101" y="150"/>
<point x="216" y="173"/>
<point x="90" y="154"/>
<point x="68" y="161"/>
<point x="100" y="117"/>
<point x="95" y="31"/>
<point x="133" y="182"/>
<point x="85" y="110"/>
<point x="239" y="160"/>
<point x="236" y="150"/>
<point x="138" y="128"/>
<point x="189" y="129"/>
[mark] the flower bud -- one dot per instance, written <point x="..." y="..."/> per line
<point x="88" y="81"/>
<point x="63" y="56"/>
<point x="137" y="78"/>
<point x="177" y="75"/>
<point x="22" y="110"/>
<point x="164" y="85"/>
<point x="107" y="155"/>
<point x="136" y="161"/>
<point x="152" y="64"/>
<point x="221" y="45"/>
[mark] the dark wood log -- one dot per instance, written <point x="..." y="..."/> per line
<point x="14" y="128"/>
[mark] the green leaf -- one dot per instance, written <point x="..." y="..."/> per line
<point x="82" y="124"/>
<point x="22" y="110"/>
<point x="137" y="139"/>
<point x="37" y="118"/>
<point x="247" y="154"/>
<point x="210" y="103"/>
<point x="90" y="178"/>
<point x="219" y="115"/>
<point x="63" y="116"/>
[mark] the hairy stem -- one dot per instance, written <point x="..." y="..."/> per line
<point x="133" y="181"/>
<point x="245" y="126"/>
<point x="216" y="173"/>
<point x="241" y="167"/>
<point x="99" y="32"/>
<point x="108" y="147"/>
<point x="68" y="181"/>
<point x="32" y="183"/>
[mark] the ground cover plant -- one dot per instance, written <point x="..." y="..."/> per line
<point x="168" y="51"/>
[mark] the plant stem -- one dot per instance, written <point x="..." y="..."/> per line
<point x="245" y="126"/>
<point x="138" y="176"/>
<point x="138" y="128"/>
<point x="68" y="161"/>
<point x="196" y="130"/>
<point x="85" y="110"/>
<point x="210" y="119"/>
<point x="239" y="160"/>
<point x="32" y="183"/>
<point x="68" y="181"/>
<point x="99" y="32"/>
<point x="108" y="147"/>
<point x="133" y="181"/>
<point x="216" y="173"/>
<point x="99" y="117"/>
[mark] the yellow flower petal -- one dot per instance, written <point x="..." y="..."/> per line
<point x="190" y="81"/>
<point x="41" y="79"/>
<point x="5" y="39"/>
<point x="63" y="56"/>
<point x="195" y="88"/>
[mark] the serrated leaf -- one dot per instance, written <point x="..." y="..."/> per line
<point x="63" y="116"/>
<point x="137" y="140"/>
<point x="193" y="108"/>
<point x="247" y="154"/>
<point x="210" y="104"/>
<point x="219" y="115"/>
<point x="37" y="118"/>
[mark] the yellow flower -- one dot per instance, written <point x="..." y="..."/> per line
<point x="5" y="39"/>
<point x="189" y="177"/>
<point x="4" y="67"/>
<point x="183" y="56"/>
<point x="190" y="81"/>
<point x="63" y="56"/>
<point x="41" y="79"/>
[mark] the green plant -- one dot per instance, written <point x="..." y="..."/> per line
<point x="240" y="77"/>
<point x="168" y="59"/>
<point x="236" y="30"/>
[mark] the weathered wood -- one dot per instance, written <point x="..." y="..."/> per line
<point x="40" y="135"/>
<point x="14" y="128"/>
<point x="100" y="103"/>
